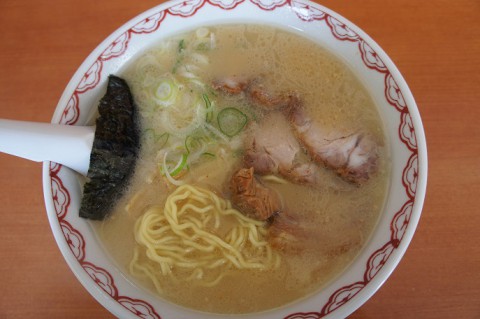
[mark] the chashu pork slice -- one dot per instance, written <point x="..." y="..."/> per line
<point x="353" y="155"/>
<point x="272" y="148"/>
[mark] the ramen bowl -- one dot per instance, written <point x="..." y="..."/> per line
<point x="404" y="134"/>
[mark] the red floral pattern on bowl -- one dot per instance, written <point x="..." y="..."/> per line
<point x="409" y="163"/>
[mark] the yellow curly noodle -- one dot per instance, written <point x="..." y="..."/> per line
<point x="197" y="237"/>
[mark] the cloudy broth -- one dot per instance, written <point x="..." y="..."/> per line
<point x="340" y="214"/>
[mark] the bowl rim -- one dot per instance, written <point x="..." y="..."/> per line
<point x="316" y="12"/>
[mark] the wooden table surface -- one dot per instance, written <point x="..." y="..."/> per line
<point x="436" y="46"/>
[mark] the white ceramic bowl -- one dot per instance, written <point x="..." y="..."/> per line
<point x="369" y="62"/>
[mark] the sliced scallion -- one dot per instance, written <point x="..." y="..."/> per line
<point x="181" y="45"/>
<point x="165" y="92"/>
<point x="190" y="143"/>
<point x="160" y="140"/>
<point x="209" y="108"/>
<point x="231" y="121"/>
<point x="207" y="154"/>
<point x="178" y="168"/>
<point x="182" y="162"/>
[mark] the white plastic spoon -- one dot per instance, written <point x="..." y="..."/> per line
<point x="64" y="144"/>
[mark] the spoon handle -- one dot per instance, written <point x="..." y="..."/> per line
<point x="64" y="144"/>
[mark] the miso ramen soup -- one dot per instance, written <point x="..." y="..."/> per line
<point x="240" y="200"/>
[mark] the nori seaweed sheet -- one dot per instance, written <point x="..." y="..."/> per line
<point x="114" y="153"/>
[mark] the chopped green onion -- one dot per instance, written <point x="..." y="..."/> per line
<point x="181" y="48"/>
<point x="163" y="139"/>
<point x="231" y="121"/>
<point x="187" y="115"/>
<point x="203" y="46"/>
<point x="165" y="92"/>
<point x="189" y="143"/>
<point x="181" y="45"/>
<point x="180" y="165"/>
<point x="167" y="173"/>
<point x="208" y="105"/>
<point x="208" y="154"/>
<point x="160" y="139"/>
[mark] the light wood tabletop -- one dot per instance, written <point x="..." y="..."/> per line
<point x="436" y="46"/>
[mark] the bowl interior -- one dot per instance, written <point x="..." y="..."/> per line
<point x="395" y="103"/>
